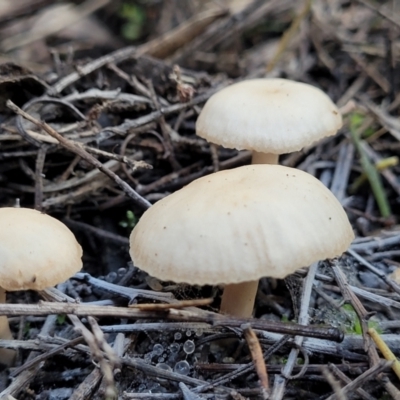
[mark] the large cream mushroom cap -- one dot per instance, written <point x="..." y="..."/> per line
<point x="240" y="225"/>
<point x="36" y="250"/>
<point x="268" y="115"/>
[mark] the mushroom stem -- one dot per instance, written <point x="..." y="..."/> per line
<point x="264" y="158"/>
<point x="7" y="356"/>
<point x="238" y="299"/>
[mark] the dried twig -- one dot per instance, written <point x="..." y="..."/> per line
<point x="258" y="359"/>
<point x="97" y="231"/>
<point x="349" y="296"/>
<point x="34" y="361"/>
<point x="334" y="384"/>
<point x="179" y="304"/>
<point x="280" y="381"/>
<point x="363" y="378"/>
<point x="46" y="308"/>
<point x="344" y="378"/>
<point x="83" y="154"/>
<point x="41" y="155"/>
<point x="288" y="35"/>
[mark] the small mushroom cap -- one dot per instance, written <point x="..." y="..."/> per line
<point x="36" y="250"/>
<point x="268" y="115"/>
<point x="240" y="225"/>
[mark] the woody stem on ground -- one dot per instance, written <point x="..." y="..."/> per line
<point x="303" y="319"/>
<point x="7" y="356"/>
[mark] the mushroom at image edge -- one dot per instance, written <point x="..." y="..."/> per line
<point x="36" y="251"/>
<point x="236" y="226"/>
<point x="269" y="117"/>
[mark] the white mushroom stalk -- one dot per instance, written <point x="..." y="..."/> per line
<point x="36" y="252"/>
<point x="236" y="226"/>
<point x="269" y="117"/>
<point x="7" y="356"/>
<point x="264" y="158"/>
<point x="238" y="299"/>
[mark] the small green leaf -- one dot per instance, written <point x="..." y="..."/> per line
<point x="130" y="221"/>
<point x="135" y="17"/>
<point x="354" y="325"/>
<point x="368" y="167"/>
<point x="356" y="120"/>
<point x="27" y="328"/>
<point x="61" y="319"/>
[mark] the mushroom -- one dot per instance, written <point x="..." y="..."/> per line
<point x="236" y="226"/>
<point x="36" y="251"/>
<point x="269" y="117"/>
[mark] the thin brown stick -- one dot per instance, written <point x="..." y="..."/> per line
<point x="116" y="56"/>
<point x="344" y="378"/>
<point x="44" y="356"/>
<point x="97" y="232"/>
<point x="288" y="35"/>
<point x="180" y="304"/>
<point x="363" y="378"/>
<point x="334" y="384"/>
<point x="165" y="129"/>
<point x="40" y="158"/>
<point x="258" y="359"/>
